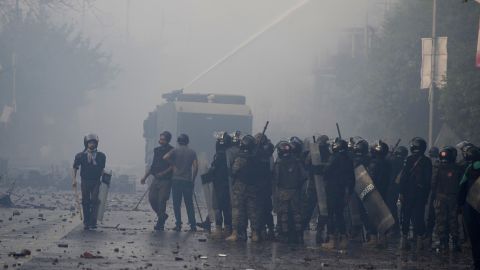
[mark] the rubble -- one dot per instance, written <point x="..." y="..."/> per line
<point x="23" y="253"/>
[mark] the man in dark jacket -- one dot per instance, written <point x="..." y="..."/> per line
<point x="340" y="181"/>
<point x="415" y="183"/>
<point x="159" y="190"/>
<point x="91" y="163"/>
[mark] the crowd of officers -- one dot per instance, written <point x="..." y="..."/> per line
<point x="425" y="194"/>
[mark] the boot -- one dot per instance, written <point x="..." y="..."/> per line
<point x="227" y="231"/>
<point x="372" y="241"/>
<point x="343" y="242"/>
<point x="330" y="244"/>
<point x="255" y="237"/>
<point x="420" y="244"/>
<point x="233" y="237"/>
<point x="405" y="244"/>
<point x="178" y="227"/>
<point x="160" y="226"/>
<point x="271" y="234"/>
<point x="217" y="233"/>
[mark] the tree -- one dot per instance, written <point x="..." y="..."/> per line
<point x="56" y="67"/>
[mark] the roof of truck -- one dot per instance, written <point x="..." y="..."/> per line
<point x="212" y="108"/>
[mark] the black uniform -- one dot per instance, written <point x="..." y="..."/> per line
<point x="396" y="163"/>
<point x="415" y="187"/>
<point x="221" y="188"/>
<point x="340" y="181"/>
<point x="264" y="179"/>
<point x="470" y="215"/>
<point x="91" y="165"/>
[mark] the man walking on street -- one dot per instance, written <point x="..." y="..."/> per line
<point x="91" y="164"/>
<point x="159" y="191"/>
<point x="185" y="169"/>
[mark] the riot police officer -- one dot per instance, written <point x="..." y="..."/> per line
<point x="397" y="160"/>
<point x="91" y="163"/>
<point x="415" y="183"/>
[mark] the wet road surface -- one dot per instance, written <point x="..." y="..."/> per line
<point x="57" y="240"/>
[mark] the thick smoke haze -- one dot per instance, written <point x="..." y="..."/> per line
<point x="160" y="46"/>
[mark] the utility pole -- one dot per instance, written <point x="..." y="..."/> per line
<point x="431" y="92"/>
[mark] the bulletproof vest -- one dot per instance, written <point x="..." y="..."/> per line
<point x="289" y="173"/>
<point x="447" y="178"/>
<point x="417" y="176"/>
<point x="361" y="160"/>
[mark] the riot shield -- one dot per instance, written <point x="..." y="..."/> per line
<point x="473" y="196"/>
<point x="377" y="211"/>
<point x="319" y="182"/>
<point x="103" y="194"/>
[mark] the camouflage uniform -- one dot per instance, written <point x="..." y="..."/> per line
<point x="244" y="193"/>
<point x="289" y="176"/>
<point x="445" y="184"/>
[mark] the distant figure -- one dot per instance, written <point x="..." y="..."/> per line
<point x="91" y="163"/>
<point x="161" y="185"/>
<point x="185" y="169"/>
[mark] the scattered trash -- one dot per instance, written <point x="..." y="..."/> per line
<point x="62" y="245"/>
<point x="222" y="255"/>
<point x="178" y="259"/>
<point x="88" y="255"/>
<point x="202" y="240"/>
<point x="22" y="253"/>
<point x="324" y="264"/>
<point x="203" y="257"/>
<point x="116" y="250"/>
<point x="16" y="213"/>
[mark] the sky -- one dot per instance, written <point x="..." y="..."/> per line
<point x="160" y="46"/>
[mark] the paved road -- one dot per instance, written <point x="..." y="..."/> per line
<point x="57" y="239"/>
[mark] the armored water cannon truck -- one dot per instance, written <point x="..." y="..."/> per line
<point x="199" y="116"/>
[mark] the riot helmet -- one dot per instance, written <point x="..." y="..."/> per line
<point x="401" y="152"/>
<point x="339" y="146"/>
<point x="90" y="138"/>
<point x="236" y="137"/>
<point x="418" y="146"/>
<point x="167" y="135"/>
<point x="297" y="145"/>
<point x="284" y="149"/>
<point x="361" y="148"/>
<point x="323" y="139"/>
<point x="223" y="140"/>
<point x="472" y="154"/>
<point x="448" y="154"/>
<point x="379" y="149"/>
<point x="247" y="144"/>
<point x="463" y="146"/>
<point x="183" y="139"/>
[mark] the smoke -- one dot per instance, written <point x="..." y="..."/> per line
<point x="162" y="45"/>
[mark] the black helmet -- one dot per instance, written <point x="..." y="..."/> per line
<point x="352" y="141"/>
<point x="183" y="139"/>
<point x="401" y="152"/>
<point x="448" y="154"/>
<point x="284" y="149"/>
<point x="297" y="145"/>
<point x="472" y="154"/>
<point x="433" y="152"/>
<point x="323" y="139"/>
<point x="339" y="146"/>
<point x="418" y="145"/>
<point x="236" y="137"/>
<point x="463" y="146"/>
<point x="167" y="135"/>
<point x="361" y="148"/>
<point x="379" y="149"/>
<point x="223" y="140"/>
<point x="261" y="138"/>
<point x="247" y="144"/>
<point x="90" y="137"/>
